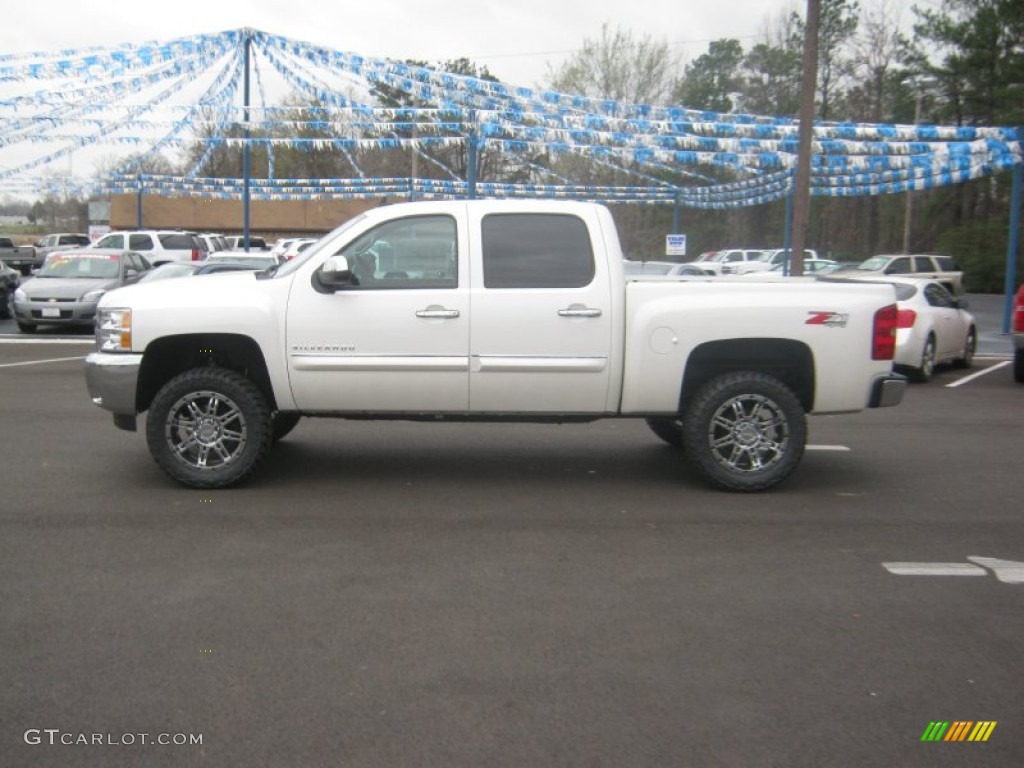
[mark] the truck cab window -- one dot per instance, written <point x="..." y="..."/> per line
<point x="529" y="250"/>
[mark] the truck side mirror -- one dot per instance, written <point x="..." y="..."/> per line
<point x="333" y="274"/>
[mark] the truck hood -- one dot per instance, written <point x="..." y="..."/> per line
<point x="195" y="290"/>
<point x="43" y="288"/>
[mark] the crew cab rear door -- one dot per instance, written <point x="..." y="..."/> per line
<point x="541" y="309"/>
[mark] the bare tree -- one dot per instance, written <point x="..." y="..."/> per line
<point x="621" y="67"/>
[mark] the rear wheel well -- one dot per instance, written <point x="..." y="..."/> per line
<point x="785" y="360"/>
<point x="165" y="358"/>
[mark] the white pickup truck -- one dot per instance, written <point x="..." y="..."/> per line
<point x="487" y="310"/>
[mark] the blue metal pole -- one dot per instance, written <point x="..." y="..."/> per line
<point x="245" y="148"/>
<point x="1013" y="246"/>
<point x="138" y="204"/>
<point x="677" y="214"/>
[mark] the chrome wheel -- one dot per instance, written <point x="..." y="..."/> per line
<point x="745" y="431"/>
<point x="748" y="433"/>
<point x="205" y="430"/>
<point x="208" y="427"/>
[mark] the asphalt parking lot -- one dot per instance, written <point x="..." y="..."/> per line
<point x="390" y="594"/>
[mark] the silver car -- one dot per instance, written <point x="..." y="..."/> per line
<point x="69" y="286"/>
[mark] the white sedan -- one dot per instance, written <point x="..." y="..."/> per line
<point x="933" y="327"/>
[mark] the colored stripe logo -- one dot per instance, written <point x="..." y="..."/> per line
<point x="959" y="730"/>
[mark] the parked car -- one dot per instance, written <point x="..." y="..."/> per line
<point x="20" y="257"/>
<point x="714" y="262"/>
<point x="170" y="270"/>
<point x="237" y="243"/>
<point x="932" y="326"/>
<point x="631" y="268"/>
<point x="158" y="245"/>
<point x="297" y="246"/>
<point x="237" y="263"/>
<point x="811" y="267"/>
<point x="250" y="260"/>
<point x="9" y="279"/>
<point x="941" y="268"/>
<point x="61" y="241"/>
<point x="66" y="290"/>
<point x="214" y="243"/>
<point x="1017" y="329"/>
<point x="282" y="245"/>
<point x="776" y="257"/>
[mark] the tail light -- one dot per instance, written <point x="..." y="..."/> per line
<point x="1018" y="312"/>
<point x="883" y="340"/>
<point x="905" y="318"/>
<point x="195" y="254"/>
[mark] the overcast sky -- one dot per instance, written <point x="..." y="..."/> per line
<point x="516" y="39"/>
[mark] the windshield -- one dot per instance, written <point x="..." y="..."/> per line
<point x="290" y="266"/>
<point x="875" y="264"/>
<point x="87" y="266"/>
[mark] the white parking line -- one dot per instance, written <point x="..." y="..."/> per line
<point x="19" y="340"/>
<point x="978" y="375"/>
<point x="826" y="448"/>
<point x="934" y="569"/>
<point x="41" y="362"/>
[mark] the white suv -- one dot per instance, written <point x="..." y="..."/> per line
<point x="715" y="262"/>
<point x="159" y="246"/>
<point x="767" y="261"/>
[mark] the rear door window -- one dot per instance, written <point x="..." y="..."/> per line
<point x="140" y="242"/>
<point x="177" y="242"/>
<point x="901" y="266"/>
<point x="531" y="250"/>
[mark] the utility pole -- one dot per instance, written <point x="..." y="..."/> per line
<point x="802" y="191"/>
<point x="918" y="83"/>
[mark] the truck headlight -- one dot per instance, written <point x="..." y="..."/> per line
<point x="114" y="329"/>
<point x="20" y="295"/>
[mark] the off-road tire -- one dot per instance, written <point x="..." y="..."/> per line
<point x="745" y="431"/>
<point x="668" y="429"/>
<point x="209" y="428"/>
<point x="283" y="423"/>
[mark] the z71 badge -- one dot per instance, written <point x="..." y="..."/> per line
<point x="831" y="319"/>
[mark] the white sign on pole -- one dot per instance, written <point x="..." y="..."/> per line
<point x="675" y="245"/>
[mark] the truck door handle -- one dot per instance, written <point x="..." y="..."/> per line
<point x="434" y="313"/>
<point x="578" y="310"/>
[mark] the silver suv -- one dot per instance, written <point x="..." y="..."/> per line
<point x="941" y="268"/>
<point x="159" y="246"/>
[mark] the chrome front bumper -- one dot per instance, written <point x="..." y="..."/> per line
<point x="112" y="380"/>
